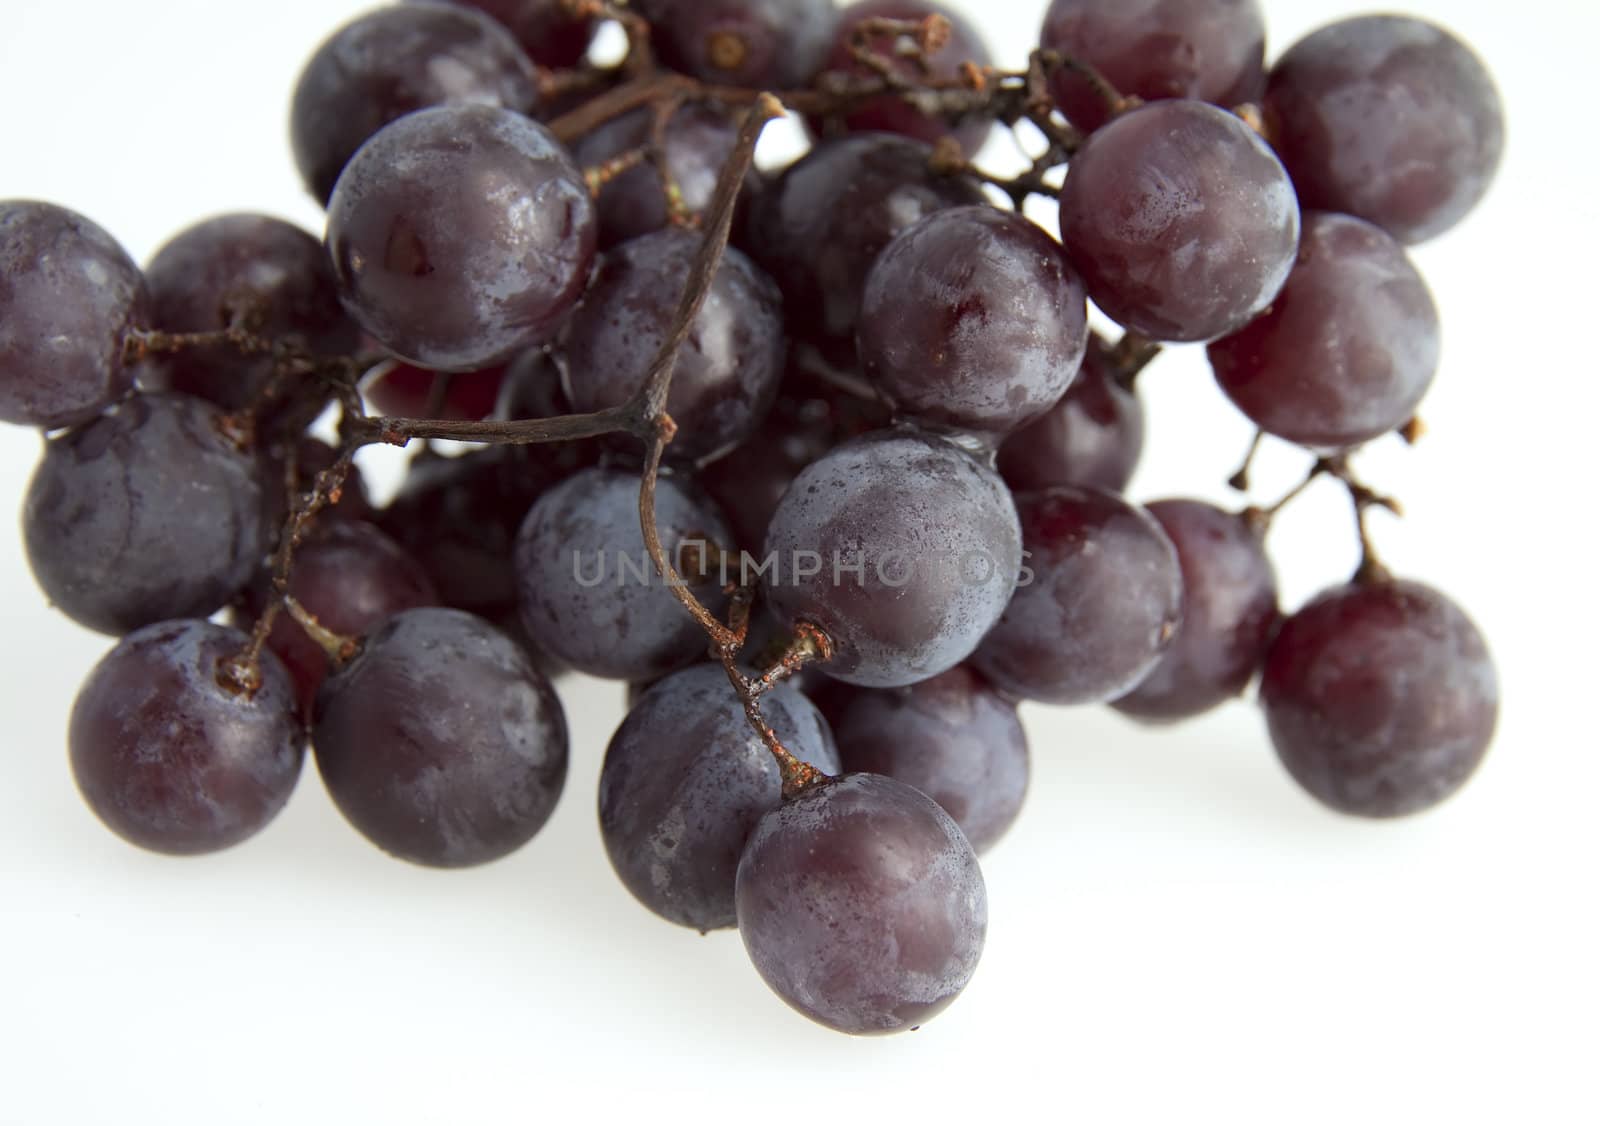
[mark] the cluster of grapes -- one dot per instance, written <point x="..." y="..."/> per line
<point x="884" y="450"/>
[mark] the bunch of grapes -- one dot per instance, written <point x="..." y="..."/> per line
<point x="826" y="463"/>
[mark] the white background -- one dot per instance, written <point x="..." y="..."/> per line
<point x="1177" y="933"/>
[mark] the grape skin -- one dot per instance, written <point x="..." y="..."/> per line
<point x="407" y="392"/>
<point x="685" y="780"/>
<point x="1093" y="436"/>
<point x="149" y="513"/>
<point x="759" y="44"/>
<point x="586" y="531"/>
<point x="728" y="369"/>
<point x="862" y="905"/>
<point x="393" y="61"/>
<point x="1349" y="348"/>
<point x="441" y="743"/>
<point x="172" y="760"/>
<point x="749" y="482"/>
<point x="1180" y="220"/>
<point x="1390" y="119"/>
<point x="952" y="737"/>
<point x="1381" y="698"/>
<point x="69" y="296"/>
<point x="1210" y="50"/>
<point x="252" y="269"/>
<point x="1230" y="611"/>
<point x="550" y="36"/>
<point x="935" y="534"/>
<point x="972" y="318"/>
<point x="460" y="236"/>
<point x="1105" y="600"/>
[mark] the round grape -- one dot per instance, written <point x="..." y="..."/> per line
<point x="169" y="754"/>
<point x="1381" y="698"/>
<point x="1093" y="436"/>
<point x="1390" y="119"/>
<point x="460" y="236"/>
<point x="441" y="742"/>
<point x="761" y="44"/>
<point x="69" y="296"/>
<point x="973" y="319"/>
<point x="685" y="780"/>
<point x="1230" y="610"/>
<point x="862" y="905"/>
<point x="1180" y="220"/>
<point x="1101" y="605"/>
<point x="902" y="548"/>
<point x="149" y="513"/>
<point x="1348" y="349"/>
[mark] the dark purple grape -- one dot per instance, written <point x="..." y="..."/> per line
<point x="818" y="230"/>
<point x="1181" y="221"/>
<point x="169" y="755"/>
<point x="1390" y="119"/>
<point x="685" y="780"/>
<point x="250" y="270"/>
<point x="750" y="482"/>
<point x="1210" y="50"/>
<point x="441" y="742"/>
<point x="461" y="236"/>
<point x="550" y="36"/>
<point x="149" y="513"/>
<point x="862" y="905"/>
<point x="1381" y="698"/>
<point x="698" y="140"/>
<point x="902" y="548"/>
<point x="1098" y="605"/>
<point x="407" y="392"/>
<point x="350" y="577"/>
<point x="458" y="517"/>
<point x="391" y="62"/>
<point x="1348" y="349"/>
<point x="762" y="44"/>
<point x="890" y="114"/>
<point x="953" y="737"/>
<point x="1094" y="436"/>
<point x="69" y="296"/>
<point x="728" y="369"/>
<point x="589" y="591"/>
<point x="1230" y="610"/>
<point x="972" y="318"/>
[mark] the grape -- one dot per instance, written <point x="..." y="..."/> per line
<point x="169" y="756"/>
<point x="1105" y="599"/>
<point x="953" y="737"/>
<point x="750" y="482"/>
<point x="391" y="62"/>
<point x="762" y="44"/>
<point x="1094" y="436"/>
<point x="69" y="296"/>
<point x="441" y="742"/>
<point x="891" y="114"/>
<point x="686" y="779"/>
<point x="1180" y="220"/>
<point x="589" y="591"/>
<point x="973" y="319"/>
<point x="728" y="368"/>
<point x="1349" y="348"/>
<point x="407" y="392"/>
<point x="1381" y="698"/>
<point x="698" y="140"/>
<point x="150" y="512"/>
<point x="461" y="236"/>
<point x="1390" y="119"/>
<point x="1210" y="50"/>
<point x="350" y="577"/>
<point x="1230" y="610"/>
<point x="818" y="230"/>
<point x="543" y="28"/>
<point x="250" y="270"/>
<point x="915" y="549"/>
<point x="862" y="905"/>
